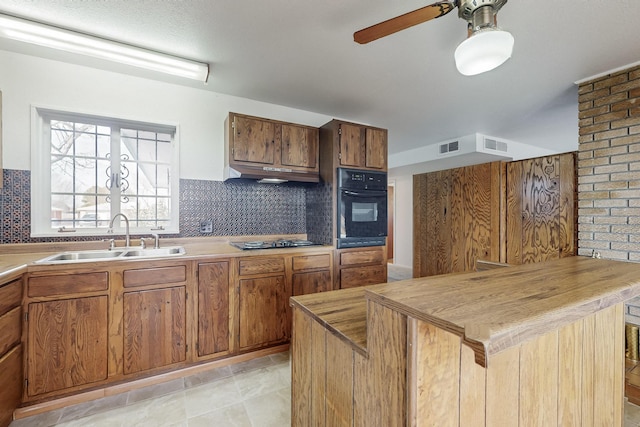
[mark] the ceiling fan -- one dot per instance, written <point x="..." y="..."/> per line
<point x="486" y="46"/>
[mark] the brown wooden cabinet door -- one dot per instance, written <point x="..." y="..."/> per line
<point x="352" y="147"/>
<point x="154" y="328"/>
<point x="11" y="380"/>
<point x="376" y="148"/>
<point x="213" y="308"/>
<point x="299" y="146"/>
<point x="263" y="311"/>
<point x="67" y="343"/>
<point x="311" y="282"/>
<point x="254" y="140"/>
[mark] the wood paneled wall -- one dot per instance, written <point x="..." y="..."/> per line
<point x="457" y="215"/>
<point x="516" y="212"/>
<point x="541" y="209"/>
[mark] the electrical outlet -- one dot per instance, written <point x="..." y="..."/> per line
<point x="206" y="226"/>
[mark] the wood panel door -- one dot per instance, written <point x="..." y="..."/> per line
<point x="351" y="146"/>
<point x="67" y="344"/>
<point x="299" y="146"/>
<point x="154" y="328"/>
<point x="541" y="203"/>
<point x="263" y="311"/>
<point x="376" y="148"/>
<point x="253" y="140"/>
<point x="213" y="308"/>
<point x="311" y="282"/>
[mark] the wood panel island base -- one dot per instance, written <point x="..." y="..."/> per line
<point x="531" y="345"/>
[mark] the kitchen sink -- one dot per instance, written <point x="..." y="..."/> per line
<point x="153" y="252"/>
<point x="115" y="254"/>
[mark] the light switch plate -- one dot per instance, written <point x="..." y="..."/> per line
<point x="206" y="226"/>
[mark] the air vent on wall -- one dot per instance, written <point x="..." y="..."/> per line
<point x="449" y="147"/>
<point x="492" y="144"/>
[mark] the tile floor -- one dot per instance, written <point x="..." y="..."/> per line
<point x="254" y="393"/>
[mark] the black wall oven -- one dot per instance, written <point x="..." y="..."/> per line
<point x="362" y="208"/>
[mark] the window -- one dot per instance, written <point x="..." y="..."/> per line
<point x="86" y="169"/>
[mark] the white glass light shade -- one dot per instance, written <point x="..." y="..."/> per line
<point x="69" y="41"/>
<point x="483" y="51"/>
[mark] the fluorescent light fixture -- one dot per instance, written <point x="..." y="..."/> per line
<point x="70" y="41"/>
<point x="483" y="51"/>
<point x="272" y="181"/>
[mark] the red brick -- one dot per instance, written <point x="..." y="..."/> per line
<point x="612" y="134"/>
<point x="591" y="112"/>
<point x="631" y="121"/>
<point x="634" y="73"/>
<point x="625" y="87"/>
<point x="611" y="81"/>
<point x="592" y="96"/>
<point x="585" y="105"/>
<point x="585" y="122"/>
<point x="625" y="105"/>
<point x="634" y="93"/>
<point x="611" y="99"/>
<point x="601" y="127"/>
<point x="585" y="88"/>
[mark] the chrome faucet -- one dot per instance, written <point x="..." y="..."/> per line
<point x="127" y="241"/>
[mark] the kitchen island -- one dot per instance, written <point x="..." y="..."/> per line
<point x="538" y="344"/>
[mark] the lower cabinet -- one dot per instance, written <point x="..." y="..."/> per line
<point x="361" y="266"/>
<point x="155" y="328"/>
<point x="67" y="343"/>
<point x="213" y="309"/>
<point x="154" y="317"/>
<point x="11" y="376"/>
<point x="263" y="311"/>
<point x="311" y="274"/>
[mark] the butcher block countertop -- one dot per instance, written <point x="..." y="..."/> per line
<point x="491" y="310"/>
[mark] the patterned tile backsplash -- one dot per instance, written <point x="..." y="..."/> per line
<point x="236" y="207"/>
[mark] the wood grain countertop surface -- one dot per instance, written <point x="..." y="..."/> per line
<point x="16" y="259"/>
<point x="501" y="308"/>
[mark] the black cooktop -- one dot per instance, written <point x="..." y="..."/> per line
<point x="272" y="244"/>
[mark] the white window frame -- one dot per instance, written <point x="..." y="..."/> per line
<point x="41" y="176"/>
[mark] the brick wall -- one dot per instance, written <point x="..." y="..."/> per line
<point x="609" y="170"/>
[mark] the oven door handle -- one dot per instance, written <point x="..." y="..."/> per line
<point x="367" y="193"/>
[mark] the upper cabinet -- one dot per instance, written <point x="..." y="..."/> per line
<point x="262" y="148"/>
<point x="352" y="146"/>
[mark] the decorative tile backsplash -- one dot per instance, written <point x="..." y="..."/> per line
<point x="236" y="207"/>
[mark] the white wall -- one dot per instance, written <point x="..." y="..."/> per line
<point x="200" y="114"/>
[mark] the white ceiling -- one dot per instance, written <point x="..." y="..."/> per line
<point x="301" y="54"/>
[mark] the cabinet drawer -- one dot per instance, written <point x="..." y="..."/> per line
<point x="261" y="266"/>
<point x="10" y="296"/>
<point x="68" y="284"/>
<point x="362" y="257"/>
<point x="362" y="276"/>
<point x="309" y="262"/>
<point x="154" y="276"/>
<point x="10" y="329"/>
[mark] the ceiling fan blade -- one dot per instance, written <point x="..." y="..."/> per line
<point x="402" y="22"/>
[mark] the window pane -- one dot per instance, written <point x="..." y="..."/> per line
<point x="164" y="152"/>
<point x="129" y="147"/>
<point x="85" y="175"/>
<point x="83" y="127"/>
<point x="61" y="141"/>
<point x="85" y="145"/>
<point x="163" y="178"/>
<point x="146" y="150"/>
<point x="62" y="174"/>
<point x="103" y="146"/>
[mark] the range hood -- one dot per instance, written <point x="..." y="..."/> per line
<point x="268" y="174"/>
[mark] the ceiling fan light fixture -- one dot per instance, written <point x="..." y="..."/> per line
<point x="483" y="51"/>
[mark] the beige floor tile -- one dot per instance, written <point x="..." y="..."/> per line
<point x="212" y="396"/>
<point x="271" y="409"/>
<point x="261" y="381"/>
<point x="230" y="416"/>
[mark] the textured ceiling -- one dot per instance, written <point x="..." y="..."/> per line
<point x="301" y="54"/>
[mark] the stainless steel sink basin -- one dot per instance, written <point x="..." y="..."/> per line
<point x="105" y="255"/>
<point x="152" y="252"/>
